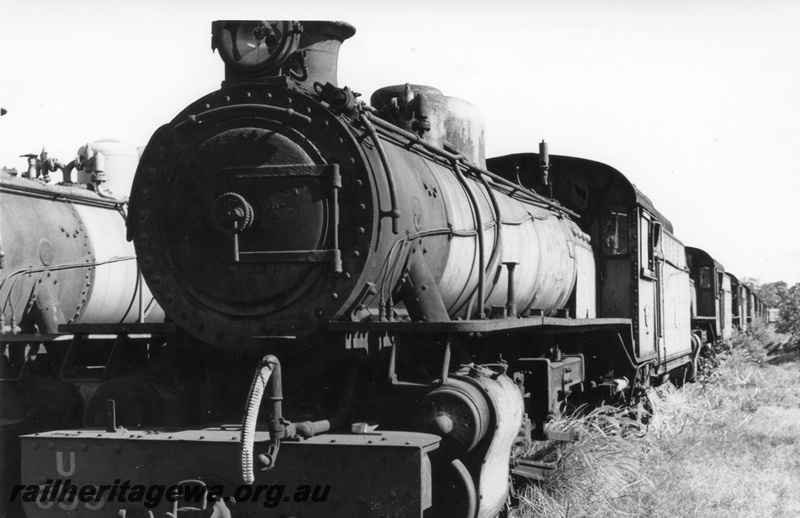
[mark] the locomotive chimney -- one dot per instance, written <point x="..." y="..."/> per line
<point x="303" y="53"/>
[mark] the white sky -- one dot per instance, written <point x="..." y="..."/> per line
<point x="697" y="102"/>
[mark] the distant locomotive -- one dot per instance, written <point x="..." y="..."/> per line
<point x="428" y="313"/>
<point x="67" y="274"/>
<point x="70" y="291"/>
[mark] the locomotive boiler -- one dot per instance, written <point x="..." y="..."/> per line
<point x="65" y="259"/>
<point x="67" y="272"/>
<point x="69" y="289"/>
<point x="407" y="310"/>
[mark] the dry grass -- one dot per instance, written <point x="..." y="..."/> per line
<point x="728" y="446"/>
<point x="596" y="475"/>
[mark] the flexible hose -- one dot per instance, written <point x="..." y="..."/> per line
<point x="257" y="388"/>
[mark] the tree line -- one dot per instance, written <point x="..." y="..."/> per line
<point x="779" y="295"/>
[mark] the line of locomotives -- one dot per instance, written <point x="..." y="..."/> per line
<point x="408" y="311"/>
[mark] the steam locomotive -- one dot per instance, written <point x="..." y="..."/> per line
<point x="415" y="309"/>
<point x="69" y="282"/>
<point x="75" y="312"/>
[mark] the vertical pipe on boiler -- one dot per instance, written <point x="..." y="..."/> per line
<point x="479" y="228"/>
<point x="141" y="295"/>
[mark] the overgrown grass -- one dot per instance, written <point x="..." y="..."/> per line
<point x="727" y="446"/>
<point x="596" y="475"/>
